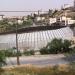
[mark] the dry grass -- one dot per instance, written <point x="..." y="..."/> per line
<point x="32" y="70"/>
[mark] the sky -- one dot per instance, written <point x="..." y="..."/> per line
<point x="31" y="5"/>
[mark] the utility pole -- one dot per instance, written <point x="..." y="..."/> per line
<point x="18" y="62"/>
<point x="38" y="13"/>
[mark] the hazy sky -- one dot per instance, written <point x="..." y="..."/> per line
<point x="31" y="4"/>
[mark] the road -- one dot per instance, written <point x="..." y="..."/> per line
<point x="39" y="60"/>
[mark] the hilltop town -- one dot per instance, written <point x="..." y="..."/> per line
<point x="64" y="16"/>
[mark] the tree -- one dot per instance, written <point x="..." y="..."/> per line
<point x="55" y="46"/>
<point x="66" y="45"/>
<point x="44" y="50"/>
<point x="58" y="46"/>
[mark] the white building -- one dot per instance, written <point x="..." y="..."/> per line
<point x="40" y="18"/>
<point x="66" y="6"/>
<point x="20" y="21"/>
<point x="71" y="21"/>
<point x="63" y="18"/>
<point x="67" y="20"/>
<point x="52" y="20"/>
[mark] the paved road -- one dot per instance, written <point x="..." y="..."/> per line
<point x="40" y="60"/>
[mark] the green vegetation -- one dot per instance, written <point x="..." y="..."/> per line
<point x="44" y="50"/>
<point x="13" y="53"/>
<point x="10" y="53"/>
<point x="58" y="46"/>
<point x="27" y="23"/>
<point x="71" y="53"/>
<point x="3" y="25"/>
<point x="2" y="59"/>
<point x="31" y="70"/>
<point x="28" y="53"/>
<point x="7" y="25"/>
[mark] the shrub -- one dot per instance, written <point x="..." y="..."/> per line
<point x="27" y="53"/>
<point x="32" y="52"/>
<point x="66" y="45"/>
<point x="10" y="53"/>
<point x="57" y="46"/>
<point x="44" y="50"/>
<point x="2" y="59"/>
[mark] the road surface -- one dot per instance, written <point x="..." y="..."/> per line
<point x="41" y="60"/>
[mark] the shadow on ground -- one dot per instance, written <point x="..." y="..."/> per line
<point x="70" y="58"/>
